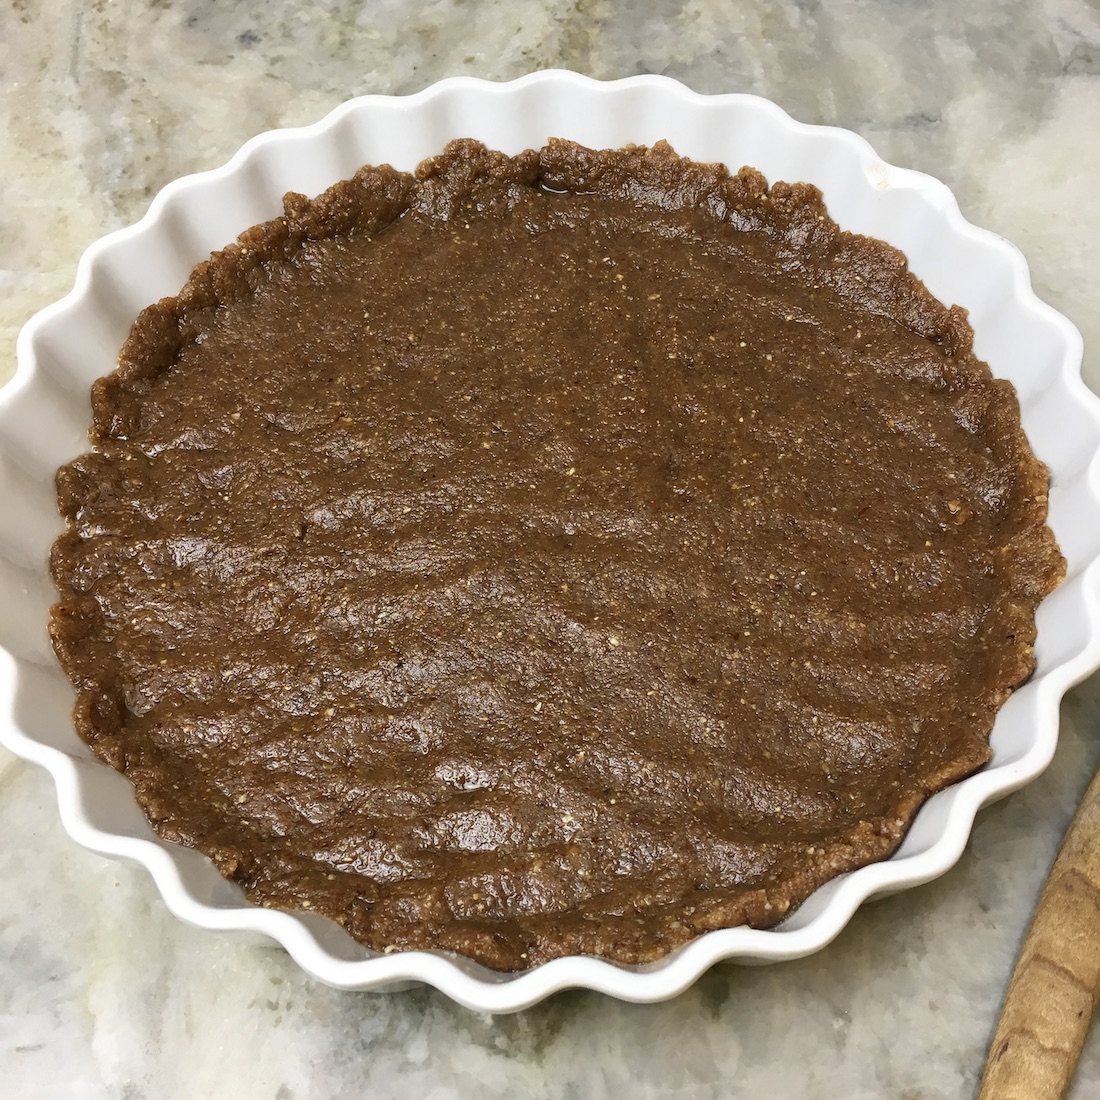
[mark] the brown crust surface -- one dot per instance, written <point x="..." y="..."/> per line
<point x="565" y="553"/>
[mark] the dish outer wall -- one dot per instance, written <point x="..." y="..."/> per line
<point x="44" y="416"/>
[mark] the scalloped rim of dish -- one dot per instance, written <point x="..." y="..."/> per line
<point x="44" y="416"/>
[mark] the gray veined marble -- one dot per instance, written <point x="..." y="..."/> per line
<point x="104" y="994"/>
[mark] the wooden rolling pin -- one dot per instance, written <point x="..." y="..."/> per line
<point x="1053" y="992"/>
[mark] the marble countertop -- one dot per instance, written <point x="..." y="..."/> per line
<point x="104" y="994"/>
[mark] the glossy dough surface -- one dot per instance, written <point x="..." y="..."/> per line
<point x="567" y="553"/>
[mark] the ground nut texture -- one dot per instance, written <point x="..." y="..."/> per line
<point x="565" y="553"/>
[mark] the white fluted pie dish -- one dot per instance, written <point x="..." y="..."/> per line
<point x="44" y="416"/>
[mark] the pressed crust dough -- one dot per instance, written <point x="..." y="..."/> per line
<point x="566" y="553"/>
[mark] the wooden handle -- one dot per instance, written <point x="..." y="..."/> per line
<point x="1053" y="992"/>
